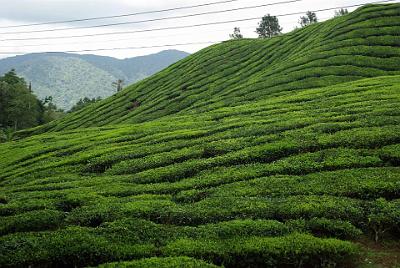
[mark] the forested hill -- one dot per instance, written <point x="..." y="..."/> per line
<point x="70" y="77"/>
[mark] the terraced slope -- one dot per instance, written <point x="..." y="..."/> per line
<point x="291" y="180"/>
<point x="360" y="45"/>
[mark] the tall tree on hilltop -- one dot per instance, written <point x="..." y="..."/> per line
<point x="82" y="103"/>
<point x="308" y="19"/>
<point x="341" y="12"/>
<point x="236" y="34"/>
<point x="268" y="27"/>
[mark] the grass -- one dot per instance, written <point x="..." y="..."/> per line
<point x="280" y="152"/>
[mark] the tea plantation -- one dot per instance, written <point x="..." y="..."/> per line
<point x="251" y="153"/>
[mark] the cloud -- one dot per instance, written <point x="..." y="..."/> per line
<point x="52" y="10"/>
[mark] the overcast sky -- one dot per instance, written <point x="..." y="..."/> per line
<point x="36" y="11"/>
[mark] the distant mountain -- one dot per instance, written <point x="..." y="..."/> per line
<point x="69" y="77"/>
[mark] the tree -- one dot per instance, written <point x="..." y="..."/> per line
<point x="6" y="134"/>
<point x="308" y="19"/>
<point x="268" y="27"/>
<point x="49" y="110"/>
<point x="236" y="34"/>
<point x="341" y="12"/>
<point x="82" y="103"/>
<point x="11" y="78"/>
<point x="118" y="84"/>
<point x="19" y="108"/>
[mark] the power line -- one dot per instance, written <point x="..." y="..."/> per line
<point x="156" y="19"/>
<point x="184" y="26"/>
<point x="115" y="40"/>
<point x="124" y="48"/>
<point x="142" y="38"/>
<point x="122" y="15"/>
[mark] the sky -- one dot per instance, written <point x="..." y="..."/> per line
<point x="20" y="12"/>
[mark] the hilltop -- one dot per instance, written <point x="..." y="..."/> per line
<point x="361" y="45"/>
<point x="69" y="77"/>
<point x="281" y="152"/>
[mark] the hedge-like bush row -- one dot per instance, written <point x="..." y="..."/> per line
<point x="296" y="250"/>
<point x="31" y="221"/>
<point x="166" y="262"/>
<point x="69" y="247"/>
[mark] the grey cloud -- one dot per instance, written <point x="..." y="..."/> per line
<point x="54" y="10"/>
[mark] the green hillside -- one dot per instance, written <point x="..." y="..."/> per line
<point x="250" y="153"/>
<point x="361" y="45"/>
<point x="70" y="77"/>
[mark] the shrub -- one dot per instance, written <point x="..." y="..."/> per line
<point x="309" y="207"/>
<point x="3" y="199"/>
<point x="20" y="206"/>
<point x="241" y="228"/>
<point x="293" y="250"/>
<point x="72" y="247"/>
<point x="326" y="228"/>
<point x="74" y="200"/>
<point x="94" y="215"/>
<point x="166" y="262"/>
<point x="383" y="217"/>
<point x="6" y="134"/>
<point x="391" y="154"/>
<point x="31" y="221"/>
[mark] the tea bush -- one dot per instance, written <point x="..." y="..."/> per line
<point x="166" y="262"/>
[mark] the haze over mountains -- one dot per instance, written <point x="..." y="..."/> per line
<point x="69" y="77"/>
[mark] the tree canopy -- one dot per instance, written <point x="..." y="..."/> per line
<point x="341" y="12"/>
<point x="308" y="19"/>
<point x="268" y="27"/>
<point x="19" y="108"/>
<point x="82" y="103"/>
<point x="236" y="34"/>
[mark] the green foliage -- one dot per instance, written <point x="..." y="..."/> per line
<point x="268" y="27"/>
<point x="19" y="108"/>
<point x="341" y="12"/>
<point x="383" y="216"/>
<point x="240" y="72"/>
<point x="31" y="221"/>
<point x="69" y="247"/>
<point x="166" y="262"/>
<point x="236" y="34"/>
<point x="391" y="154"/>
<point x="326" y="228"/>
<point x="293" y="250"/>
<point x="250" y="153"/>
<point x="6" y="134"/>
<point x="82" y="103"/>
<point x="3" y="199"/>
<point x="308" y="19"/>
<point x="70" y="77"/>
